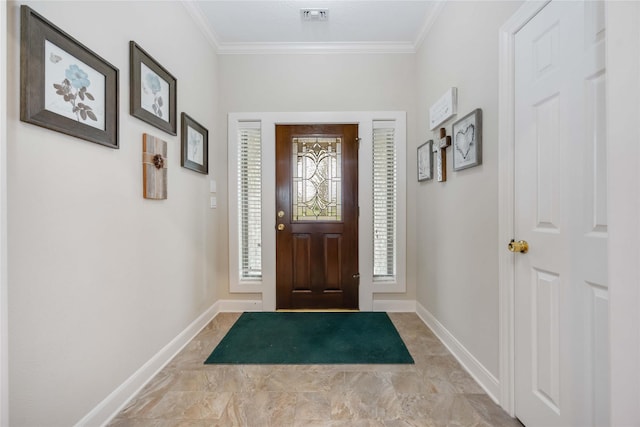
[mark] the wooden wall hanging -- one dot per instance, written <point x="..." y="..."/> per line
<point x="154" y="167"/>
<point x="440" y="152"/>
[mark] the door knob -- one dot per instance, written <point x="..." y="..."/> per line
<point x="280" y="227"/>
<point x="519" y="246"/>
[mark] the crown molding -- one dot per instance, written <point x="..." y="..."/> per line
<point x="432" y="17"/>
<point x="201" y="22"/>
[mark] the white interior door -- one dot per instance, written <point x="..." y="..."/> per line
<point x="561" y="303"/>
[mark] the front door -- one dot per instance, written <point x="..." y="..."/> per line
<point x="561" y="306"/>
<point x="317" y="217"/>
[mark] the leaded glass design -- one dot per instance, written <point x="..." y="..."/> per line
<point x="316" y="179"/>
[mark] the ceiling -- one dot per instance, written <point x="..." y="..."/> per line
<point x="242" y="26"/>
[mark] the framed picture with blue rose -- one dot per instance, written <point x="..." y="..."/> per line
<point x="64" y="86"/>
<point x="195" y="145"/>
<point x="153" y="91"/>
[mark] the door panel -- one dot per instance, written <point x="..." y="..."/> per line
<point x="561" y="307"/>
<point x="546" y="338"/>
<point x="332" y="261"/>
<point x="317" y="238"/>
<point x="302" y="266"/>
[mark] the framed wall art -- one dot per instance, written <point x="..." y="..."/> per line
<point x="195" y="145"/>
<point x="467" y="141"/>
<point x="64" y="86"/>
<point x="425" y="161"/>
<point x="153" y="91"/>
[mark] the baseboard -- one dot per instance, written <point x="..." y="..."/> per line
<point x="397" y="306"/>
<point x="237" y="306"/>
<point x="120" y="397"/>
<point x="483" y="377"/>
<point x="106" y="410"/>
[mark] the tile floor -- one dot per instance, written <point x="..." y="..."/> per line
<point x="434" y="392"/>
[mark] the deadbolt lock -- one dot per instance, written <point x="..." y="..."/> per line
<point x="520" y="246"/>
<point x="280" y="214"/>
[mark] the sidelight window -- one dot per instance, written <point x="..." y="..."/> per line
<point x="385" y="191"/>
<point x="250" y="200"/>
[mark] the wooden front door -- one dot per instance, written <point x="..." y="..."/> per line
<point x="317" y="216"/>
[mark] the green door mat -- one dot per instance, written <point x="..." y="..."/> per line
<point x="311" y="338"/>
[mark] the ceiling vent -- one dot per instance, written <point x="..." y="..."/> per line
<point x="314" y="14"/>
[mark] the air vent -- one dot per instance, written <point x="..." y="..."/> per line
<point x="314" y="14"/>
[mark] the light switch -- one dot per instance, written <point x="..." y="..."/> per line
<point x="214" y="202"/>
<point x="212" y="186"/>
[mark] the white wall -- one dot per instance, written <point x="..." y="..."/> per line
<point x="100" y="279"/>
<point x="323" y="82"/>
<point x="457" y="221"/>
<point x="623" y="157"/>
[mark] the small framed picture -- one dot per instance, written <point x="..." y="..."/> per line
<point x="64" y="86"/>
<point x="425" y="161"/>
<point x="195" y="145"/>
<point x="467" y="141"/>
<point x="153" y="91"/>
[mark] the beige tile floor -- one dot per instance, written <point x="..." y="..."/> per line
<point x="436" y="391"/>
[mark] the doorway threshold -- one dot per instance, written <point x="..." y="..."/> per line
<point x="316" y="310"/>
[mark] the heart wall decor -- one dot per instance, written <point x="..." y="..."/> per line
<point x="467" y="141"/>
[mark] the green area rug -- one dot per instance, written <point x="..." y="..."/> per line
<point x="311" y="338"/>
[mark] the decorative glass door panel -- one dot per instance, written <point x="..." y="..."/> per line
<point x="316" y="179"/>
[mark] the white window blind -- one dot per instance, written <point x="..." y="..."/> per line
<point x="250" y="200"/>
<point x="384" y="199"/>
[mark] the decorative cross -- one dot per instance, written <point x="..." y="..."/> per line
<point x="440" y="151"/>
<point x="154" y="167"/>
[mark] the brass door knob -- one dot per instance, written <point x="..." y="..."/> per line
<point x="519" y="246"/>
<point x="280" y="227"/>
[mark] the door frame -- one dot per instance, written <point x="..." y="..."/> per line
<point x="4" y="315"/>
<point x="623" y="188"/>
<point x="365" y="121"/>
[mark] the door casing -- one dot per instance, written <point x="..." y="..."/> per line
<point x="365" y="121"/>
<point x="4" y="331"/>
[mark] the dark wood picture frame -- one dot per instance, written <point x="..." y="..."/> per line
<point x="425" y="161"/>
<point x="466" y="135"/>
<point x="153" y="115"/>
<point x="187" y="157"/>
<point x="73" y="91"/>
